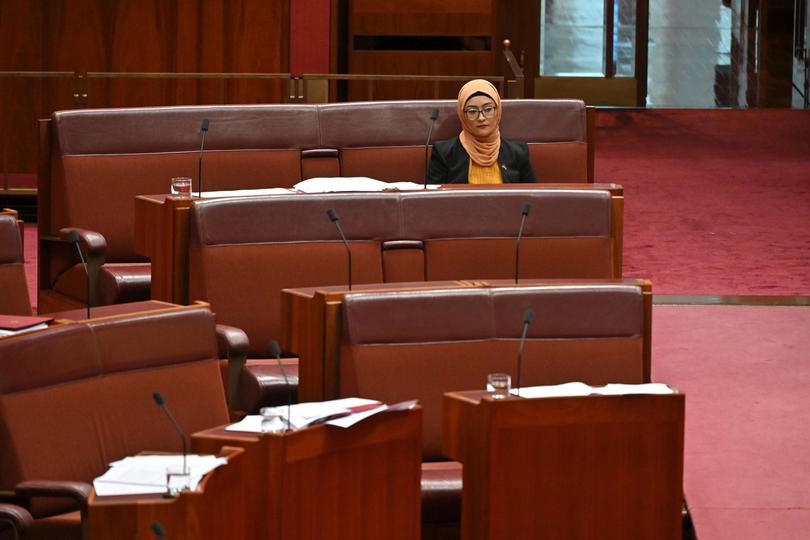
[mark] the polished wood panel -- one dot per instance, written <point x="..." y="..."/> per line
<point x="125" y="36"/>
<point x="329" y="483"/>
<point x="214" y="511"/>
<point x="608" y="467"/>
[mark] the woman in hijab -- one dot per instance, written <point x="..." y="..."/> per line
<point x="479" y="155"/>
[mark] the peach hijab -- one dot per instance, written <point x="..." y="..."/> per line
<point x="482" y="151"/>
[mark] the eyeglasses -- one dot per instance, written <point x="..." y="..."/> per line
<point x="488" y="111"/>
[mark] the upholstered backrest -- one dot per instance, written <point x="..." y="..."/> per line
<point x="420" y="344"/>
<point x="77" y="396"/>
<point x="14" y="297"/>
<point x="386" y="140"/>
<point x="242" y="252"/>
<point x="103" y="158"/>
<point x="472" y="234"/>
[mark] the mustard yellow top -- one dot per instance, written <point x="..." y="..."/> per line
<point x="484" y="175"/>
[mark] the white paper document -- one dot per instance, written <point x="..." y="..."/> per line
<point x="581" y="389"/>
<point x="140" y="475"/>
<point x="245" y="193"/>
<point x="355" y="183"/>
<point x="338" y="412"/>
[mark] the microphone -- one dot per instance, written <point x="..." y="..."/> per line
<point x="275" y="352"/>
<point x="434" y="114"/>
<point x="158" y="397"/>
<point x="333" y="217"/>
<point x="73" y="237"/>
<point x="203" y="130"/>
<point x="524" y="213"/>
<point x="158" y="530"/>
<point x="528" y="315"/>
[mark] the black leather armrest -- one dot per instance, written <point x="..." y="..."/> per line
<point x="233" y="345"/>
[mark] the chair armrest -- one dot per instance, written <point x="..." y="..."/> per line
<point x="233" y="345"/>
<point x="93" y="243"/>
<point x="78" y="491"/>
<point x="18" y="517"/>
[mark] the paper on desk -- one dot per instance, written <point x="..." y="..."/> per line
<point x="23" y="330"/>
<point x="141" y="475"/>
<point x="245" y="192"/>
<point x="354" y="183"/>
<point x="339" y="412"/>
<point x="581" y="389"/>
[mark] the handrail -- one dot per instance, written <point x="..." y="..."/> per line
<point x="372" y="78"/>
<point x="181" y="75"/>
<point x="516" y="86"/>
<point x="55" y="74"/>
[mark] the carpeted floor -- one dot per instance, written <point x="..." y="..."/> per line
<point x="716" y="201"/>
<point x="746" y="374"/>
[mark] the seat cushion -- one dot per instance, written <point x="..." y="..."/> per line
<point x="62" y="526"/>
<point x="263" y="385"/>
<point x="117" y="283"/>
<point x="441" y="492"/>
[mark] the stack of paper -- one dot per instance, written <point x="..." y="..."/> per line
<point x="338" y="412"/>
<point x="245" y="192"/>
<point x="582" y="389"/>
<point x="140" y="475"/>
<point x="355" y="183"/>
<point x="17" y="324"/>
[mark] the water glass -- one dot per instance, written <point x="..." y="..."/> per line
<point x="181" y="187"/>
<point x="498" y="385"/>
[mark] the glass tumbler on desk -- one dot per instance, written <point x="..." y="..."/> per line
<point x="181" y="187"/>
<point x="178" y="478"/>
<point x="498" y="385"/>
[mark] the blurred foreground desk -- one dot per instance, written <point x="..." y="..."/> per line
<point x="326" y="482"/>
<point x="216" y="510"/>
<point x="607" y="467"/>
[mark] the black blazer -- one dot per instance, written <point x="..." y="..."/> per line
<point x="450" y="163"/>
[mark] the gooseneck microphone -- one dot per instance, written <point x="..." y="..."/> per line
<point x="158" y="530"/>
<point x="334" y="218"/>
<point x="203" y="130"/>
<point x="528" y="315"/>
<point x="524" y="213"/>
<point x="434" y="114"/>
<point x="73" y="236"/>
<point x="158" y="397"/>
<point x="275" y="352"/>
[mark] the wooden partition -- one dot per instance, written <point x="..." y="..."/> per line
<point x="608" y="467"/>
<point x="216" y="510"/>
<point x="330" y="483"/>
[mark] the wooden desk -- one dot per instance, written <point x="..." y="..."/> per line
<point x="162" y="233"/>
<point x="327" y="482"/>
<point x="607" y="467"/>
<point x="311" y="324"/>
<point x="213" y="512"/>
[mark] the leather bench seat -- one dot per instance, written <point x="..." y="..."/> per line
<point x="14" y="298"/>
<point x="262" y="384"/>
<point x="96" y="161"/>
<point x="89" y="385"/>
<point x="401" y="345"/>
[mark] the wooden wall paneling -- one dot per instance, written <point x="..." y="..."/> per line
<point x="418" y="37"/>
<point x="519" y="22"/>
<point x="256" y="40"/>
<point x="20" y="99"/>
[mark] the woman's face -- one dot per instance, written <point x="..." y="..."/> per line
<point x="481" y="127"/>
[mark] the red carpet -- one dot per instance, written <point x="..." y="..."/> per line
<point x="716" y="201"/>
<point x="746" y="375"/>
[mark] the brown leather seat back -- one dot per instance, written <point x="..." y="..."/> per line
<point x="472" y="234"/>
<point x="556" y="131"/>
<point x="104" y="158"/>
<point x="406" y="345"/>
<point x="242" y="252"/>
<point x="14" y="298"/>
<point x="385" y="140"/>
<point x="77" y="396"/>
